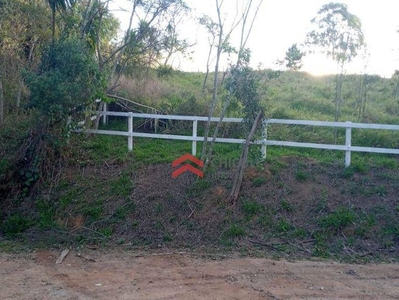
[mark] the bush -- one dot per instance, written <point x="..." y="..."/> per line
<point x="14" y="141"/>
<point x="67" y="80"/>
<point x="15" y="224"/>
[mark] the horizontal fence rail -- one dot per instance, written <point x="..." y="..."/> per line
<point x="264" y="142"/>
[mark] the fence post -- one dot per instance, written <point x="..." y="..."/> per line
<point x="348" y="142"/>
<point x="105" y="117"/>
<point x="156" y="124"/>
<point x="194" y="144"/>
<point x="264" y="139"/>
<point x="130" y="131"/>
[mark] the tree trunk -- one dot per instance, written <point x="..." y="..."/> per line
<point x="243" y="40"/>
<point x="53" y="23"/>
<point x="207" y="66"/>
<point x="30" y="59"/>
<point x="84" y="22"/>
<point x="205" y="80"/>
<point x="98" y="115"/>
<point x="359" y="99"/>
<point x="98" y="43"/>
<point x="338" y="102"/>
<point x="212" y="106"/>
<point x="19" y="92"/>
<point x="338" y="96"/>
<point x="1" y="102"/>
<point x="365" y="87"/>
<point x="122" y="50"/>
<point x="215" y="133"/>
<point x="214" y="98"/>
<point x="396" y="91"/>
<point x="243" y="160"/>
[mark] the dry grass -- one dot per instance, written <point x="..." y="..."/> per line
<point x="149" y="91"/>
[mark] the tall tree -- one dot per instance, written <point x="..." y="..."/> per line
<point x="144" y="44"/>
<point x="66" y="82"/>
<point x="395" y="92"/>
<point x="338" y="33"/>
<point x="242" y="85"/>
<point x="212" y="28"/>
<point x="171" y="41"/>
<point x="293" y="58"/>
<point x="21" y="26"/>
<point x="364" y="85"/>
<point x="1" y="101"/>
<point x="246" y="18"/>
<point x="58" y="5"/>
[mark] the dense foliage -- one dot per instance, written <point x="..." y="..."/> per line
<point x="67" y="80"/>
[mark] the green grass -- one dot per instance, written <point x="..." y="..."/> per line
<point x="235" y="231"/>
<point x="46" y="214"/>
<point x="93" y="212"/>
<point x="301" y="175"/>
<point x="106" y="203"/>
<point x="259" y="181"/>
<point x="15" y="224"/>
<point x="255" y="217"/>
<point x="283" y="225"/>
<point x="154" y="151"/>
<point x="14" y="246"/>
<point x="266" y="221"/>
<point x="121" y="186"/>
<point x="338" y="219"/>
<point x="286" y="206"/>
<point x="251" y="208"/>
<point x="121" y="212"/>
<point x="100" y="148"/>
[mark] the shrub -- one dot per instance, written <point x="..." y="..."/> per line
<point x="15" y="224"/>
<point x="67" y="80"/>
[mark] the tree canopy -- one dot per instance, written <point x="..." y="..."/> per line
<point x="29" y="28"/>
<point x="293" y="58"/>
<point x="67" y="80"/>
<point x="337" y="32"/>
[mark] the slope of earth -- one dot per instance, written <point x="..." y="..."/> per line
<point x="290" y="207"/>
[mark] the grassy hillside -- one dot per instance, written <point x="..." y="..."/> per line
<point x="301" y="96"/>
<point x="287" y="94"/>
<point x="299" y="202"/>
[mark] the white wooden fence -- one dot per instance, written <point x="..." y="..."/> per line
<point x="348" y="148"/>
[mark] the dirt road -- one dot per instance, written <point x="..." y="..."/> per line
<point x="127" y="275"/>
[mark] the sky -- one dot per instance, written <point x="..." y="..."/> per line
<point x="281" y="23"/>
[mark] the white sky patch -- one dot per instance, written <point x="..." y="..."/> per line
<point x="280" y="23"/>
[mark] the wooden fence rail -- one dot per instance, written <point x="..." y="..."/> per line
<point x="264" y="142"/>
